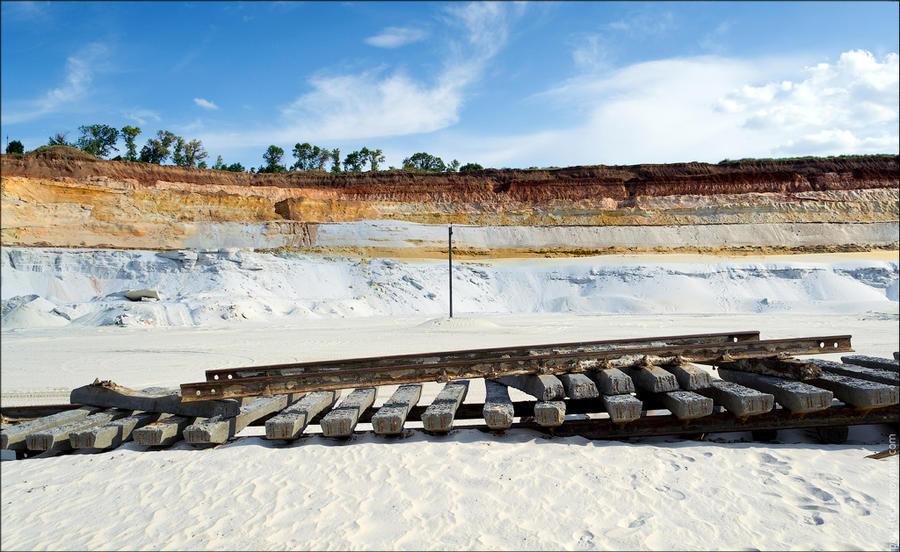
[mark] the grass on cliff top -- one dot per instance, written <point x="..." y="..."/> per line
<point x="808" y="158"/>
<point x="63" y="152"/>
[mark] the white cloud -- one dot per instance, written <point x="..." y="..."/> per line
<point x="394" y="37"/>
<point x="382" y="102"/>
<point x="80" y="69"/>
<point x="370" y="104"/>
<point x="27" y="11"/>
<point x="708" y="108"/>
<point x="141" y="115"/>
<point x="590" y="52"/>
<point x="644" y="23"/>
<point x="855" y="93"/>
<point x="205" y="104"/>
<point x="713" y="40"/>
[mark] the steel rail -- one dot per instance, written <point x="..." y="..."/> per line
<point x="469" y="354"/>
<point x="492" y="368"/>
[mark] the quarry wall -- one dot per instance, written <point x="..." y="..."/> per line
<point x="67" y="200"/>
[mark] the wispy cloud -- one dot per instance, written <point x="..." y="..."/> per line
<point x="708" y="108"/>
<point x="593" y="52"/>
<point x="141" y="116"/>
<point x="205" y="104"/>
<point x="382" y="102"/>
<point x="590" y="52"/>
<point x="26" y="11"/>
<point x="193" y="53"/>
<point x="79" y="74"/>
<point x="713" y="41"/>
<point x="394" y="37"/>
<point x="644" y="23"/>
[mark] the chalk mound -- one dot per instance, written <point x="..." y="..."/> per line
<point x="30" y="311"/>
<point x="458" y="324"/>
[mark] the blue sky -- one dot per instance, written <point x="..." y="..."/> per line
<point x="503" y="84"/>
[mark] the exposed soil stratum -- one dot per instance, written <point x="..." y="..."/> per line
<point x="67" y="199"/>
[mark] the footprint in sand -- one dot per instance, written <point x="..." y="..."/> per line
<point x="640" y="521"/>
<point x="853" y="503"/>
<point x="585" y="540"/>
<point x="816" y="519"/>
<point x="769" y="459"/>
<point x="814" y="508"/>
<point x="821" y="494"/>
<point x="671" y="493"/>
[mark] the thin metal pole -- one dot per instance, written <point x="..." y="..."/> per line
<point x="450" y="257"/>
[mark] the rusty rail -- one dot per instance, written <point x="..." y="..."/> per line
<point x="496" y="367"/>
<point x="471" y="354"/>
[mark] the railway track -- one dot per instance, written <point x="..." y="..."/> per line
<point x="610" y="389"/>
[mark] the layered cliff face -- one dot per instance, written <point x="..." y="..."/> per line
<point x="66" y="199"/>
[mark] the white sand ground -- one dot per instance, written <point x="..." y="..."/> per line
<point x="468" y="490"/>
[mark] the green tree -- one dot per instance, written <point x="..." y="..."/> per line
<point x="220" y="165"/>
<point x="336" y="160"/>
<point x="471" y="167"/>
<point x="178" y="152"/>
<point x="453" y="166"/>
<point x="59" y="139"/>
<point x="424" y="162"/>
<point x="375" y="157"/>
<point x="235" y="167"/>
<point x="158" y="149"/>
<point x="201" y="165"/>
<point x="194" y="153"/>
<point x="98" y="140"/>
<point x="15" y="147"/>
<point x="129" y="133"/>
<point x="310" y="157"/>
<point x="353" y="162"/>
<point x="306" y="155"/>
<point x="272" y="157"/>
<point x="322" y="158"/>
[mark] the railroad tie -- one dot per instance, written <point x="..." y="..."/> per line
<point x="578" y="386"/>
<point x="219" y="429"/>
<point x="613" y="381"/>
<point x="857" y="392"/>
<point x="498" y="409"/>
<point x="872" y="362"/>
<point x="13" y="437"/>
<point x="341" y="421"/>
<point x="860" y="372"/>
<point x="112" y="434"/>
<point x="392" y="415"/>
<point x="438" y="417"/>
<point x="165" y="432"/>
<point x="622" y="408"/>
<point x="57" y="438"/>
<point x="687" y="405"/>
<point x="550" y="413"/>
<point x="291" y="422"/>
<point x="689" y="376"/>
<point x="544" y="388"/>
<point x="737" y="399"/>
<point x="652" y="378"/>
<point x="796" y="396"/>
<point x="111" y="395"/>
